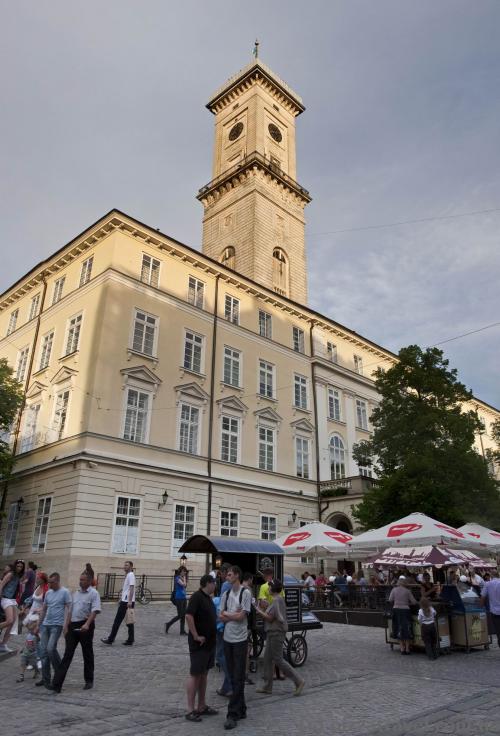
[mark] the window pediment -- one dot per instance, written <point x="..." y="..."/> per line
<point x="64" y="374"/>
<point x="303" y="425"/>
<point x="35" y="389"/>
<point x="191" y="393"/>
<point x="140" y="376"/>
<point x="268" y="415"/>
<point x="232" y="404"/>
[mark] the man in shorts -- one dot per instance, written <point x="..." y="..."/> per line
<point x="201" y="620"/>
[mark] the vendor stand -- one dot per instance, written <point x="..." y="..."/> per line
<point x="468" y="619"/>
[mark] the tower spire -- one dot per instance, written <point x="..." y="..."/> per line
<point x="256" y="48"/>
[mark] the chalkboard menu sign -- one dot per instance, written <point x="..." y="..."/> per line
<point x="293" y="600"/>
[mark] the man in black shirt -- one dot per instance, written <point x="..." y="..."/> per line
<point x="201" y="619"/>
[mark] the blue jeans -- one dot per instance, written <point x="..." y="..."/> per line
<point x="49" y="636"/>
<point x="221" y="660"/>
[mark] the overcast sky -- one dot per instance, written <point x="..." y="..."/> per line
<point x="103" y="105"/>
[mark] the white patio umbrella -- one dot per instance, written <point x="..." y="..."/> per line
<point x="313" y="536"/>
<point x="414" y="529"/>
<point x="486" y="537"/>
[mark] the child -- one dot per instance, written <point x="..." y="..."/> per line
<point x="427" y="621"/>
<point x="29" y="651"/>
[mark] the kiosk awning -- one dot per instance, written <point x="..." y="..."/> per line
<point x="213" y="545"/>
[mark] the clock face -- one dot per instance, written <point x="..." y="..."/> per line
<point x="235" y="131"/>
<point x="275" y="132"/>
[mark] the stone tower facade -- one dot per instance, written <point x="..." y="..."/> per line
<point x="253" y="207"/>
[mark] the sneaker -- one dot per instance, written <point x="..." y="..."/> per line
<point x="299" y="688"/>
<point x="5" y="648"/>
<point x="264" y="691"/>
<point x="106" y="641"/>
<point x="230" y="723"/>
<point x="29" y="667"/>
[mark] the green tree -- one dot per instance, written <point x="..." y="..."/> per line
<point x="494" y="454"/>
<point x="422" y="447"/>
<point x="11" y="397"/>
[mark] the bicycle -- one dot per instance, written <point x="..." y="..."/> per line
<point x="144" y="595"/>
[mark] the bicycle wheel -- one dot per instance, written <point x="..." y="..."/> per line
<point x="145" y="596"/>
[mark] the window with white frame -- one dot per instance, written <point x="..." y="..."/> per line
<point x="61" y="413"/>
<point x="337" y="457"/>
<point x="145" y="333"/>
<point x="188" y="429"/>
<point x="22" y="362"/>
<point x="298" y="340"/>
<point x="361" y="414"/>
<point x="265" y="324"/>
<point x="331" y="351"/>
<point x="34" y="306"/>
<point x="358" y="364"/>
<point x="126" y="527"/>
<point x="28" y="439"/>
<point x="232" y="309"/>
<point x="300" y="391"/>
<point x="366" y="471"/>
<point x="46" y="350"/>
<point x="41" y="524"/>
<point x="334" y="407"/>
<point x="12" y="321"/>
<point x="266" y="379"/>
<point x="86" y="271"/>
<point x="184" y="525"/>
<point x="136" y="415"/>
<point x="302" y="457"/>
<point x="73" y="336"/>
<point x="232" y="367"/>
<point x="193" y="350"/>
<point x="268" y="527"/>
<point x="196" y="292"/>
<point x="150" y="270"/>
<point x="229" y="522"/>
<point x="9" y="542"/>
<point x="266" y="448"/>
<point x="58" y="289"/>
<point x="230" y="439"/>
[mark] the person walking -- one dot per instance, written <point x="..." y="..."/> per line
<point x="54" y="616"/>
<point x="234" y="609"/>
<point x="127" y="601"/>
<point x="29" y="651"/>
<point x="490" y="595"/>
<point x="276" y="627"/>
<point x="9" y="588"/>
<point x="86" y="604"/>
<point x="402" y="599"/>
<point x="201" y="619"/>
<point x="180" y="585"/>
<point x="428" y="628"/>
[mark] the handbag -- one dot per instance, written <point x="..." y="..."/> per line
<point x="130" y="616"/>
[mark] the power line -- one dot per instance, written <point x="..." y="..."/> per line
<point x="465" y="334"/>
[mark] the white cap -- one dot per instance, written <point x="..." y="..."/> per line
<point x="464" y="579"/>
<point x="348" y="579"/>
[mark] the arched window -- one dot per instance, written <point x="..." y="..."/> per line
<point x="228" y="257"/>
<point x="280" y="272"/>
<point x="337" y="457"/>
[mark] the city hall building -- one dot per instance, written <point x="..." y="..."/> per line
<point x="171" y="391"/>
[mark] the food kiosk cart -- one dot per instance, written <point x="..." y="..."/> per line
<point x="468" y="620"/>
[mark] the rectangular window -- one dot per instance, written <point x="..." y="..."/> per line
<point x="73" y="338"/>
<point x="86" y="271"/>
<point x="302" y="457"/>
<point x="22" y="362"/>
<point x="41" y="524"/>
<point x="268" y="527"/>
<point x="9" y="543"/>
<point x="196" y="292"/>
<point x="300" y="391"/>
<point x="34" y="307"/>
<point x="229" y="439"/>
<point x="367" y="472"/>
<point x="12" y="321"/>
<point x="28" y="440"/>
<point x="334" y="404"/>
<point x="46" y="349"/>
<point x="232" y="365"/>
<point x="145" y="330"/>
<point x="232" y="309"/>
<point x="266" y="379"/>
<point x="266" y="448"/>
<point x="358" y="364"/>
<point x="136" y="416"/>
<point x="183" y="525"/>
<point x="298" y="340"/>
<point x="58" y="289"/>
<point x="126" y="530"/>
<point x="193" y="346"/>
<point x="361" y="415"/>
<point x="61" y="413"/>
<point x="331" y="351"/>
<point x="229" y="523"/>
<point x="188" y="429"/>
<point x="265" y="324"/>
<point x="150" y="270"/>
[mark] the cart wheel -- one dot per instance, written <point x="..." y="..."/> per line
<point x="259" y="642"/>
<point x="297" y="650"/>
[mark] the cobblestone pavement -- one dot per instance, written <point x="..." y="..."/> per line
<point x="356" y="686"/>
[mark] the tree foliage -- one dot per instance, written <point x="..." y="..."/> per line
<point x="11" y="397"/>
<point x="422" y="447"/>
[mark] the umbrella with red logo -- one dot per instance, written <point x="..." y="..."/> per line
<point x="488" y="538"/>
<point x="311" y="536"/>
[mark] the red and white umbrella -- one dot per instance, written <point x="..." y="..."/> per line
<point x="485" y="537"/>
<point x="315" y="534"/>
<point x="416" y="528"/>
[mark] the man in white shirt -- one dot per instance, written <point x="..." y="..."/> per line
<point x="127" y="600"/>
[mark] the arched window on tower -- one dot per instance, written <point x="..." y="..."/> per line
<point x="280" y="272"/>
<point x="337" y="457"/>
<point x="228" y="257"/>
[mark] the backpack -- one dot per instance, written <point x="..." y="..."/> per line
<point x="251" y="617"/>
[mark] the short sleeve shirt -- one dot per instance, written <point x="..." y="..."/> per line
<point x="56" y="601"/>
<point x="236" y="631"/>
<point x="202" y="609"/>
<point x="491" y="591"/>
<point x="85" y="602"/>
<point x="127" y="583"/>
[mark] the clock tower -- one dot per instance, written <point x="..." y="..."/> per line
<point x="254" y="208"/>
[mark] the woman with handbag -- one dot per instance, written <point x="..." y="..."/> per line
<point x="179" y="599"/>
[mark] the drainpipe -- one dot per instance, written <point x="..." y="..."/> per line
<point x="316" y="429"/>
<point x="211" y="409"/>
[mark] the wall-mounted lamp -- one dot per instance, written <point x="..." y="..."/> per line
<point x="184" y="559"/>
<point x="164" y="499"/>
<point x="294" y="516"/>
<point x="218" y="561"/>
<point x="19" y="504"/>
